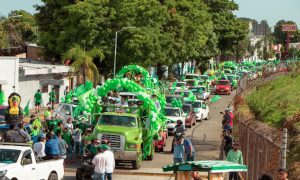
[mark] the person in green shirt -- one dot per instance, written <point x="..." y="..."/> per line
<point x="67" y="136"/>
<point x="47" y="114"/>
<point x="52" y="98"/>
<point x="37" y="101"/>
<point x="236" y="156"/>
<point x="37" y="122"/>
<point x="35" y="131"/>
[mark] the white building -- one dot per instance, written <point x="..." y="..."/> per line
<point x="26" y="76"/>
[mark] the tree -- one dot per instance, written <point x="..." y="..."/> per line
<point x="82" y="63"/>
<point x="280" y="37"/>
<point x="229" y="29"/>
<point x="3" y="37"/>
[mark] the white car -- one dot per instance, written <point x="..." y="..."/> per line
<point x="19" y="162"/>
<point x="205" y="93"/>
<point x="173" y="115"/>
<point x="201" y="109"/>
<point x="181" y="86"/>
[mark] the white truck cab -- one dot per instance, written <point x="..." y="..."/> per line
<point x="17" y="162"/>
<point x="173" y="115"/>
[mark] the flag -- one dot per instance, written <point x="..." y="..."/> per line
<point x="215" y="98"/>
<point x="2" y="97"/>
<point x="26" y="109"/>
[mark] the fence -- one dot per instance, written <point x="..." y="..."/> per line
<point x="261" y="150"/>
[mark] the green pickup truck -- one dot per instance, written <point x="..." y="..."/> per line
<point x="127" y="134"/>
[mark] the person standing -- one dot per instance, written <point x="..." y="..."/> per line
<point x="99" y="164"/>
<point x="37" y="101"/>
<point x="51" y="147"/>
<point x="9" y="135"/>
<point x="52" y="98"/>
<point x="227" y="142"/>
<point x="39" y="147"/>
<point x="21" y="136"/>
<point x="47" y="115"/>
<point x="66" y="91"/>
<point x="178" y="149"/>
<point x="67" y="136"/>
<point x="189" y="149"/>
<point x="62" y="145"/>
<point x="282" y="174"/>
<point x="77" y="140"/>
<point x="109" y="162"/>
<point x="236" y="156"/>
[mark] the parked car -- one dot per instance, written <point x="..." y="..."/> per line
<point x="19" y="162"/>
<point x="171" y="97"/>
<point x="201" y="109"/>
<point x="190" y="115"/>
<point x="173" y="115"/>
<point x="233" y="80"/>
<point x="223" y="87"/>
<point x="181" y="86"/>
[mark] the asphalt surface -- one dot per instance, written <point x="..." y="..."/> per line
<point x="205" y="137"/>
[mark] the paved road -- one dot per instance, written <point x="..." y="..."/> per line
<point x="206" y="139"/>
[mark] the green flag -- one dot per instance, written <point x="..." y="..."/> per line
<point x="2" y="97"/>
<point x="26" y="109"/>
<point x="215" y="98"/>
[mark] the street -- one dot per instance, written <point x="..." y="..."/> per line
<point x="205" y="137"/>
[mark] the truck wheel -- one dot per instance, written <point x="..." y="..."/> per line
<point x="207" y="118"/>
<point x="136" y="164"/>
<point x="53" y="176"/>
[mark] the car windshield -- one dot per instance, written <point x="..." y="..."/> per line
<point x="204" y="77"/>
<point x="180" y="84"/>
<point x="190" y="76"/>
<point x="2" y="112"/>
<point x="186" y="108"/>
<point x="114" y="120"/>
<point x="172" y="112"/>
<point x="170" y="98"/>
<point x="223" y="83"/>
<point x="198" y="89"/>
<point x="230" y="77"/>
<point x="9" y="155"/>
<point x="196" y="104"/>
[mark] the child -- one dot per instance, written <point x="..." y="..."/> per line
<point x="70" y="124"/>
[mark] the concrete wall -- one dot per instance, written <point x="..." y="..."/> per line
<point x="9" y="72"/>
<point x="28" y="85"/>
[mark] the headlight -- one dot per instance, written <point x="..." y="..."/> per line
<point x="134" y="146"/>
<point x="2" y="173"/>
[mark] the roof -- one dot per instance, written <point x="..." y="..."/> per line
<point x="14" y="146"/>
<point x="213" y="166"/>
<point x="119" y="114"/>
<point x="32" y="67"/>
<point x="171" y="107"/>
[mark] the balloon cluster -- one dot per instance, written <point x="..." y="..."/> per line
<point x="176" y="103"/>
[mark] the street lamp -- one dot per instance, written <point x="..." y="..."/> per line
<point x="116" y="43"/>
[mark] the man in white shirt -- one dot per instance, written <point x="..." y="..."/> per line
<point x="109" y="162"/>
<point x="39" y="147"/>
<point x="99" y="163"/>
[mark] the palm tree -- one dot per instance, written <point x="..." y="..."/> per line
<point x="82" y="63"/>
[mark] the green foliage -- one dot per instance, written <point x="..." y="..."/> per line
<point x="3" y="37"/>
<point x="82" y="63"/>
<point x="275" y="101"/>
<point x="280" y="37"/>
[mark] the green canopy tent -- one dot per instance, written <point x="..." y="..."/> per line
<point x="214" y="168"/>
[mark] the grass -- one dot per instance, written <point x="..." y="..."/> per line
<point x="275" y="101"/>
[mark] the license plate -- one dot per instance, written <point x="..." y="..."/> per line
<point x="222" y="90"/>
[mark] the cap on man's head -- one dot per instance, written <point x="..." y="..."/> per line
<point x="282" y="170"/>
<point x="227" y="110"/>
<point x="32" y="116"/>
<point x="103" y="146"/>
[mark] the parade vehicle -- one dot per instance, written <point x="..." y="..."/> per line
<point x="173" y="115"/>
<point x="201" y="109"/>
<point x="193" y="82"/>
<point x="171" y="97"/>
<point x="183" y="93"/>
<point x="64" y="111"/>
<point x="206" y="78"/>
<point x="128" y="95"/>
<point x="199" y="92"/>
<point x="192" y="76"/>
<point x="233" y="80"/>
<point x="223" y="87"/>
<point x="19" y="162"/>
<point x="190" y="115"/>
<point x="127" y="133"/>
<point x="181" y="86"/>
<point x="161" y="141"/>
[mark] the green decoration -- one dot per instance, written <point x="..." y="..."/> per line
<point x="215" y="98"/>
<point x="2" y="97"/>
<point x="26" y="109"/>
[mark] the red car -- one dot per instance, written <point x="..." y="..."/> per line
<point x="190" y="119"/>
<point x="223" y="87"/>
<point x="161" y="142"/>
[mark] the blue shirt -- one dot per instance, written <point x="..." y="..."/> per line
<point x="188" y="146"/>
<point x="178" y="151"/>
<point x="51" y="146"/>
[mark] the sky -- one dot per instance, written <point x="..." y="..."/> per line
<point x="270" y="10"/>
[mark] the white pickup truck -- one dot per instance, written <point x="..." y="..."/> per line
<point x="18" y="162"/>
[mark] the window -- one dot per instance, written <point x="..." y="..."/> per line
<point x="45" y="88"/>
<point x="26" y="158"/>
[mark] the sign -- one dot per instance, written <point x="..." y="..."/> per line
<point x="51" y="82"/>
<point x="289" y="27"/>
